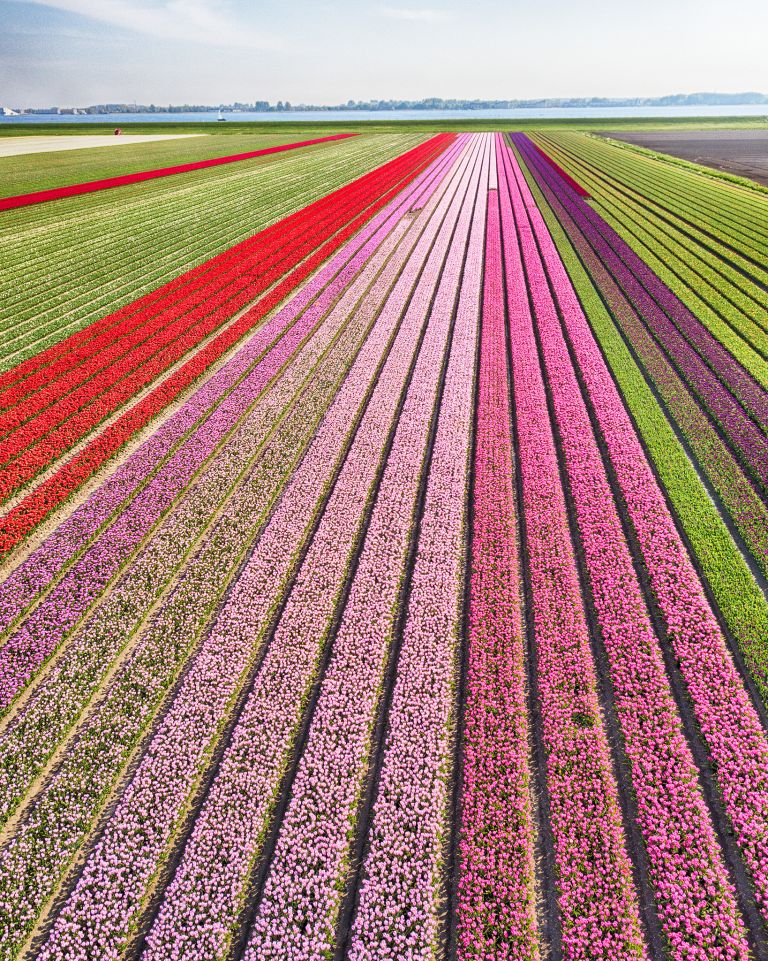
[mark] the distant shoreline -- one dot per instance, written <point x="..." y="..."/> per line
<point x="711" y="99"/>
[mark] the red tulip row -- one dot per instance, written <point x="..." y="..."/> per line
<point x="47" y="496"/>
<point x="123" y="375"/>
<point x="92" y="186"/>
<point x="564" y="174"/>
<point x="351" y="438"/>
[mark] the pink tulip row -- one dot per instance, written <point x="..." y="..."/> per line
<point x="202" y="903"/>
<point x="599" y="913"/>
<point x="399" y="912"/>
<point x="108" y="897"/>
<point x="729" y="723"/>
<point x="694" y="896"/>
<point x="496" y="903"/>
<point x="65" y="544"/>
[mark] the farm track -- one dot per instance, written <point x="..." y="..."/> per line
<point x="432" y="621"/>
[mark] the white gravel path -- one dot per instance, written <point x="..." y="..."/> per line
<point x="16" y="146"/>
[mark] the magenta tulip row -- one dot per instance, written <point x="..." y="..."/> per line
<point x="598" y="906"/>
<point x="496" y="897"/>
<point x="728" y="721"/>
<point x="109" y="895"/>
<point x="649" y="295"/>
<point x="694" y="896"/>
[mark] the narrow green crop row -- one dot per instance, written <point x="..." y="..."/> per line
<point x="63" y="269"/>
<point x="708" y="240"/>
<point x="731" y="214"/>
<point x="693" y="188"/>
<point x="699" y="291"/>
<point x="735" y="320"/>
<point x="740" y="600"/>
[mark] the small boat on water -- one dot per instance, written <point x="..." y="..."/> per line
<point x="221" y="118"/>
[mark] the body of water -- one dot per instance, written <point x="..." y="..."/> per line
<point x="320" y="116"/>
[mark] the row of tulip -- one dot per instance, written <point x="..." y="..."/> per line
<point x="714" y="458"/>
<point x="42" y="631"/>
<point x="53" y="827"/>
<point x="57" y="371"/>
<point x="50" y="493"/>
<point x="694" y="896"/>
<point x="725" y="221"/>
<point x="67" y="542"/>
<point x="739" y="598"/>
<point x="496" y="894"/>
<point x="646" y="292"/>
<point x="728" y="722"/>
<point x="723" y="299"/>
<point x="203" y="902"/>
<point x="103" y="905"/>
<point x="37" y="442"/>
<point x="598" y="906"/>
<point x="723" y="287"/>
<point x="96" y="271"/>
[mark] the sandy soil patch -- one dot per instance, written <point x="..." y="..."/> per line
<point x="16" y="146"/>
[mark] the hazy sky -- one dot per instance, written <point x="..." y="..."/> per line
<point x="78" y="52"/>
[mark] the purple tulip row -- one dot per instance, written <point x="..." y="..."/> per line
<point x="694" y="896"/>
<point x="726" y="717"/>
<point x="496" y="901"/>
<point x="65" y="544"/>
<point x="748" y="441"/>
<point x="296" y="917"/>
<point x="598" y="907"/>
<point x="400" y="905"/>
<point x="712" y="453"/>
<point x="108" y="898"/>
<point x="727" y="368"/>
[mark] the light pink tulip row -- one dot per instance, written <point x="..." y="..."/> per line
<point x="728" y="721"/>
<point x="496" y="903"/>
<point x="598" y="906"/>
<point x="108" y="897"/>
<point x="400" y="908"/>
<point x="56" y="702"/>
<point x="694" y="895"/>
<point x="66" y="542"/>
<point x="299" y="911"/>
<point x="208" y="887"/>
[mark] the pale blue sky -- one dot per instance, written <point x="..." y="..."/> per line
<point x="77" y="52"/>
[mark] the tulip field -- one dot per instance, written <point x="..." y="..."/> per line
<point x="384" y="557"/>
